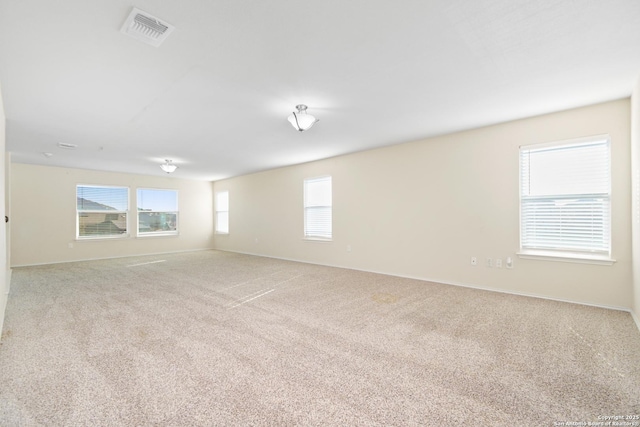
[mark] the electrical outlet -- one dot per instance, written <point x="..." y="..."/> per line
<point x="498" y="262"/>
<point x="489" y="263"/>
<point x="474" y="260"/>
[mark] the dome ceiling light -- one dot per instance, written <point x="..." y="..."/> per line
<point x="300" y="120"/>
<point x="168" y="166"/>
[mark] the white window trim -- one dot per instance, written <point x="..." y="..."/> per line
<point x="152" y="234"/>
<point x="565" y="255"/>
<point x="318" y="239"/>
<point x="312" y="238"/>
<point x="560" y="256"/>
<point x="108" y="236"/>
<point x="217" y="211"/>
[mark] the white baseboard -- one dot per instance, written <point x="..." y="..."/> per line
<point x="447" y="282"/>
<point x="112" y="257"/>
<point x="635" y="319"/>
<point x="8" y="278"/>
<point x="4" y="298"/>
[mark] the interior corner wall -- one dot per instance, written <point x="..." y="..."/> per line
<point x="43" y="223"/>
<point x="423" y="209"/>
<point x="4" y="281"/>
<point x="635" y="166"/>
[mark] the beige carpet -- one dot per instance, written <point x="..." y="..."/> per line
<point x="221" y="339"/>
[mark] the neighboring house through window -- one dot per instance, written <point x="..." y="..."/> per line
<point x="101" y="211"/>
<point x="222" y="212"/>
<point x="318" y="208"/>
<point x="157" y="211"/>
<point x="565" y="190"/>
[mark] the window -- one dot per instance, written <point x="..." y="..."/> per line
<point x="317" y="208"/>
<point x="565" y="192"/>
<point x="222" y="212"/>
<point x="157" y="212"/>
<point x="101" y="211"/>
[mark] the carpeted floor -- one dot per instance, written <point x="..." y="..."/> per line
<point x="221" y="339"/>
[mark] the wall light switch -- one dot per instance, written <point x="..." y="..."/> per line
<point x="509" y="262"/>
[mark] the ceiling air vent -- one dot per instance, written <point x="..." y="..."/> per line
<point x="67" y="145"/>
<point x="147" y="28"/>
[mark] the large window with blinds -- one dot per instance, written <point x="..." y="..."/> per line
<point x="101" y="211"/>
<point x="565" y="190"/>
<point x="157" y="212"/>
<point x="222" y="212"/>
<point x="317" y="208"/>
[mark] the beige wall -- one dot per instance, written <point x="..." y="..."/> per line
<point x="635" y="174"/>
<point x="43" y="223"/>
<point x="423" y="209"/>
<point x="5" y="277"/>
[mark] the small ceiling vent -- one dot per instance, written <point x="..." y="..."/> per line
<point x="147" y="28"/>
<point x="67" y="145"/>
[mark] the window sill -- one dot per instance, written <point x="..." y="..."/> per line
<point x="221" y="233"/>
<point x="145" y="235"/>
<point x="575" y="257"/>
<point x="318" y="239"/>
<point x="105" y="237"/>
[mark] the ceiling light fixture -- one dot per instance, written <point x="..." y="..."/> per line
<point x="168" y="166"/>
<point x="300" y="120"/>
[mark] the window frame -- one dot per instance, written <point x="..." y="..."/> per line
<point x="307" y="235"/>
<point x="567" y="254"/>
<point x="123" y="235"/>
<point x="218" y="211"/>
<point x="145" y="234"/>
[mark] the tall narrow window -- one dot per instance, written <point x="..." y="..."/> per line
<point x="317" y="208"/>
<point x="222" y="212"/>
<point x="157" y="211"/>
<point x="565" y="190"/>
<point x="101" y="211"/>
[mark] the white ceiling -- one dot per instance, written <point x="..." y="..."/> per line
<point x="216" y="95"/>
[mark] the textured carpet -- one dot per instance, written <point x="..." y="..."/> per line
<point x="220" y="339"/>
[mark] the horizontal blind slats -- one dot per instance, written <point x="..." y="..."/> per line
<point x="318" y="207"/>
<point x="94" y="198"/>
<point x="565" y="202"/>
<point x="318" y="221"/>
<point x="101" y="211"/>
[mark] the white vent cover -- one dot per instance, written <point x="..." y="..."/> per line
<point x="145" y="27"/>
<point x="67" y="145"/>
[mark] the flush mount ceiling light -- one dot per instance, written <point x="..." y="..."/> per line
<point x="300" y="120"/>
<point x="168" y="166"/>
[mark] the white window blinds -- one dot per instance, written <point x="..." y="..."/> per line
<point x="317" y="208"/>
<point x="101" y="211"/>
<point x="565" y="196"/>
